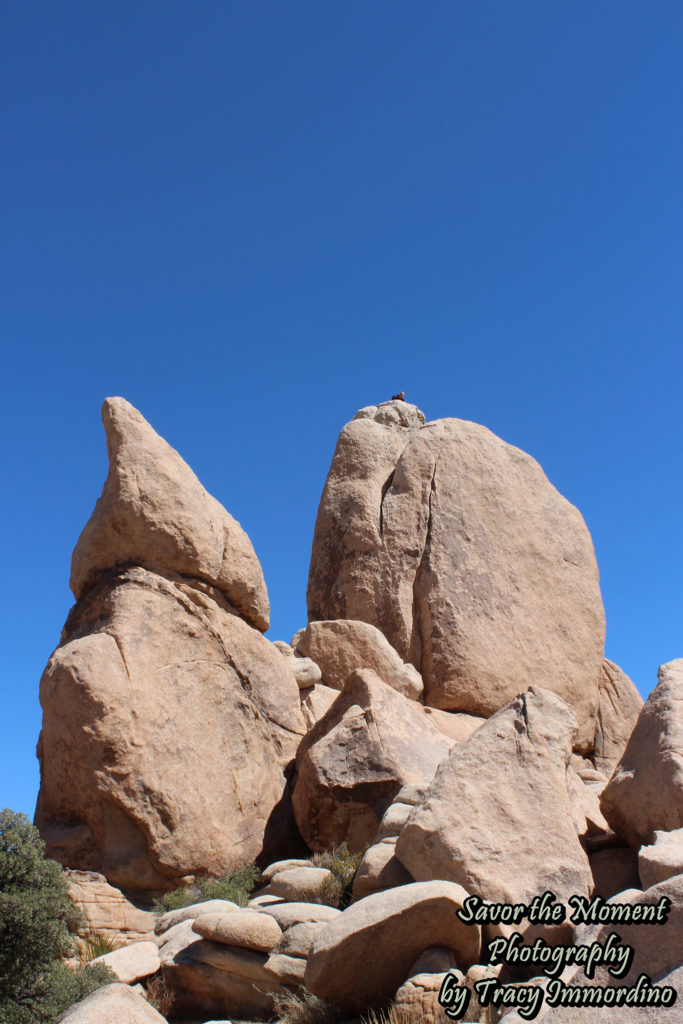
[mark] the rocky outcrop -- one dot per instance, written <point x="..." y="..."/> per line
<point x="352" y="763"/>
<point x="402" y="923"/>
<point x="342" y="645"/>
<point x="154" y="512"/>
<point x="458" y="548"/>
<point x="168" y="719"/>
<point x="106" y="911"/>
<point x="236" y="962"/>
<point x="501" y="799"/>
<point x="619" y="705"/>
<point x="645" y="794"/>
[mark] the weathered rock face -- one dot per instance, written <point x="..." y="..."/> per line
<point x="645" y="793"/>
<point x="501" y="799"/>
<point x="618" y="709"/>
<point x="167" y="721"/>
<point x="401" y="923"/>
<point x="342" y="645"/>
<point x="107" y="911"/>
<point x="154" y="512"/>
<point x="356" y="758"/>
<point x="458" y="548"/>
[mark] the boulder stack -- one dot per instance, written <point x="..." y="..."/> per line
<point x="168" y="718"/>
<point x="458" y="548"/>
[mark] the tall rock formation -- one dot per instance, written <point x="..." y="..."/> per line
<point x="459" y="549"/>
<point x="168" y="719"/>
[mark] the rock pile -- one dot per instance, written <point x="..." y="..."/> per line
<point x="446" y="722"/>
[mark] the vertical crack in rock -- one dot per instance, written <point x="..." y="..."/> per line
<point x="385" y="487"/>
<point x="420" y="614"/>
<point x="123" y="659"/>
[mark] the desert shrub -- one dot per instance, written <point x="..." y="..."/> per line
<point x="236" y="886"/>
<point x="343" y="864"/>
<point x="302" y="1007"/>
<point x="35" y="910"/>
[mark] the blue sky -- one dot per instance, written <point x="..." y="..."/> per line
<point x="253" y="218"/>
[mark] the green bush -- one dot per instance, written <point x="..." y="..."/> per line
<point x="35" y="911"/>
<point x="343" y="864"/>
<point x="237" y="886"/>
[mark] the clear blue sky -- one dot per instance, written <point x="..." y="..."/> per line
<point x="253" y="218"/>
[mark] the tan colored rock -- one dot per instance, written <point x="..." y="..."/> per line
<point x="645" y="794"/>
<point x="289" y="914"/>
<point x="298" y="940"/>
<point x="500" y="798"/>
<point x="167" y="723"/>
<point x="455" y="724"/>
<point x="173" y="917"/>
<point x="301" y="885"/>
<point x="619" y="705"/>
<point x="352" y="763"/>
<point x="585" y="805"/>
<point x="206" y="978"/>
<point x="393" y="820"/>
<point x="417" y="999"/>
<point x="106" y="910"/>
<point x="154" y="512"/>
<point x="305" y="671"/>
<point x="175" y="940"/>
<point x="269" y="873"/>
<point x="131" y="963"/>
<point x="379" y="869"/>
<point x="264" y="900"/>
<point x="112" y="1004"/>
<point x="349" y="525"/>
<point x="316" y="702"/>
<point x="456" y="546"/>
<point x="339" y="646"/>
<point x="656" y="946"/>
<point x="266" y="971"/>
<point x="401" y="923"/>
<point x="663" y="859"/>
<point x="246" y="928"/>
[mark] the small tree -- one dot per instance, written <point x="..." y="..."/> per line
<point x="35" y="910"/>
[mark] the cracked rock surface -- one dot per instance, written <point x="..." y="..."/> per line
<point x="456" y="545"/>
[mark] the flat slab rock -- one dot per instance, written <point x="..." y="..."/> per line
<point x="131" y="963"/>
<point x="399" y="924"/>
<point x="246" y="928"/>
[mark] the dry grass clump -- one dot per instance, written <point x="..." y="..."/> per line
<point x="302" y="1007"/>
<point x="95" y="944"/>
